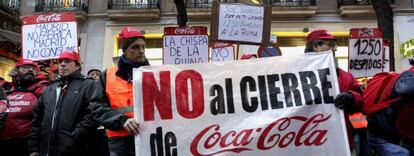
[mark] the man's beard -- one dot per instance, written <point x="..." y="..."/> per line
<point x="27" y="79"/>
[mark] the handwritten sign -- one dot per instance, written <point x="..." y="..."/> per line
<point x="245" y="108"/>
<point x="222" y="52"/>
<point x="46" y="36"/>
<point x="365" y="52"/>
<point x="185" y="45"/>
<point x="241" y="22"/>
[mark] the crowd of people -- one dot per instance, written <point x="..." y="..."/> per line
<point x="74" y="114"/>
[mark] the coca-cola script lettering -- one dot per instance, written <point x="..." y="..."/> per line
<point x="185" y="31"/>
<point x="278" y="134"/>
<point x="48" y="18"/>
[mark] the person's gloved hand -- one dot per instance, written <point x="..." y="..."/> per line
<point x="344" y="99"/>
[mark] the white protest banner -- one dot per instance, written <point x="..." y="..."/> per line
<point x="46" y="36"/>
<point x="188" y="45"/>
<point x="222" y="52"/>
<point x="270" y="106"/>
<point x="241" y="23"/>
<point x="365" y="51"/>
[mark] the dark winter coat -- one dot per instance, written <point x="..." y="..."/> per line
<point x="61" y="124"/>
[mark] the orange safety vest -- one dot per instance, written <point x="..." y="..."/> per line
<point x="358" y="120"/>
<point x="119" y="93"/>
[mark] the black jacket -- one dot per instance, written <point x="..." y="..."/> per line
<point x="110" y="118"/>
<point x="61" y="127"/>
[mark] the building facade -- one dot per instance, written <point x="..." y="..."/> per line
<point x="101" y="20"/>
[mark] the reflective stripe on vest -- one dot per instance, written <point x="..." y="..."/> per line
<point x="119" y="93"/>
<point x="358" y="120"/>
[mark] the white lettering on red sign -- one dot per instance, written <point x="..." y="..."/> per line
<point x="48" y="18"/>
<point x="185" y="31"/>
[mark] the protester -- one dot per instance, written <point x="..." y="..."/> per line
<point x="3" y="108"/>
<point x="40" y="78"/>
<point x="248" y="56"/>
<point x="94" y="73"/>
<point x="391" y="129"/>
<point x="350" y="99"/>
<point x="112" y="105"/>
<point x="54" y="74"/>
<point x="62" y="120"/>
<point x="18" y="115"/>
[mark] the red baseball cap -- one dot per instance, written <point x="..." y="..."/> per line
<point x="320" y="34"/>
<point x="129" y="32"/>
<point x="70" y="55"/>
<point x="26" y="62"/>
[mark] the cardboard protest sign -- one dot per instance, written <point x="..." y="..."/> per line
<point x="222" y="52"/>
<point x="187" y="45"/>
<point x="405" y="37"/>
<point x="404" y="27"/>
<point x="365" y="51"/>
<point x="46" y="36"/>
<point x="242" y="23"/>
<point x="244" y="107"/>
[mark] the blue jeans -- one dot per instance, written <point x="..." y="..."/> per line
<point x="385" y="148"/>
<point x="360" y="137"/>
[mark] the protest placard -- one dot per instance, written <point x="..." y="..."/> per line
<point x="242" y="23"/>
<point x="241" y="108"/>
<point x="365" y="51"/>
<point x="222" y="52"/>
<point x="46" y="36"/>
<point x="405" y="36"/>
<point x="188" y="45"/>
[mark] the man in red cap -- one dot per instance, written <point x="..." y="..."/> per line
<point x="61" y="119"/>
<point x="350" y="99"/>
<point x="112" y="101"/>
<point x="18" y="109"/>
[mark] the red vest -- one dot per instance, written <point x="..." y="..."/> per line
<point x="358" y="120"/>
<point x="119" y="93"/>
<point x="19" y="115"/>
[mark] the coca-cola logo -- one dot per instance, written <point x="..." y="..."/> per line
<point x="16" y="97"/>
<point x="365" y="32"/>
<point x="185" y="31"/>
<point x="278" y="134"/>
<point x="48" y="18"/>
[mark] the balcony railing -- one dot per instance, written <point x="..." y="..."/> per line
<point x="61" y="5"/>
<point x="292" y="3"/>
<point x="204" y="3"/>
<point x="133" y="4"/>
<point x="357" y="2"/>
<point x="12" y="5"/>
